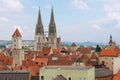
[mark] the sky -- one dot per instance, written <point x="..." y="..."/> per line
<point x="76" y="20"/>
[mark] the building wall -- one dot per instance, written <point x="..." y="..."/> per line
<point x="116" y="66"/>
<point x="74" y="48"/>
<point x="50" y="74"/>
<point x="16" y="43"/>
<point x="12" y="75"/>
<point x="108" y="61"/>
<point x="18" y="56"/>
<point x="111" y="63"/>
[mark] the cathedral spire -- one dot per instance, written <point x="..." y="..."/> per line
<point x="39" y="17"/>
<point x="39" y="25"/>
<point x="52" y="17"/>
<point x="52" y="25"/>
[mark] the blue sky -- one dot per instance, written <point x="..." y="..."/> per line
<point x="76" y="20"/>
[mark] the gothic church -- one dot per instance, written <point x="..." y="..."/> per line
<point x="51" y="40"/>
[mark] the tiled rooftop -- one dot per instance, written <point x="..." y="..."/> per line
<point x="109" y="53"/>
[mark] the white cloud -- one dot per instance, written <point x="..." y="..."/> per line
<point x="96" y="26"/>
<point x="80" y="4"/>
<point x="4" y="19"/>
<point x="112" y="14"/>
<point x="11" y="5"/>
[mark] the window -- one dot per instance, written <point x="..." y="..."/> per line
<point x="42" y="77"/>
<point x="42" y="63"/>
<point x="37" y="73"/>
<point x="103" y="62"/>
<point x="45" y="54"/>
<point x="36" y="62"/>
<point x="69" y="78"/>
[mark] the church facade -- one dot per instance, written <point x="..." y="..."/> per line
<point x="50" y="40"/>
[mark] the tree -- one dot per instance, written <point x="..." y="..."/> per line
<point x="98" y="49"/>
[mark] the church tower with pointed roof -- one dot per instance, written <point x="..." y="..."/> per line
<point x="112" y="43"/>
<point x="17" y="51"/>
<point x="52" y="33"/>
<point x="39" y="33"/>
<point x="16" y="39"/>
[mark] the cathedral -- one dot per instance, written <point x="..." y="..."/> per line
<point x="43" y="40"/>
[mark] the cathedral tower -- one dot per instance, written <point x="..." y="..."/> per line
<point x="41" y="40"/>
<point x="52" y="35"/>
<point x="39" y="33"/>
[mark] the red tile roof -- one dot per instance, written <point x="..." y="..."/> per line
<point x="117" y="76"/>
<point x="85" y="50"/>
<point x="85" y="59"/>
<point x="16" y="68"/>
<point x="29" y="56"/>
<point x="9" y="60"/>
<point x="3" y="66"/>
<point x="94" y="56"/>
<point x="28" y="63"/>
<point x="16" y="33"/>
<point x="109" y="53"/>
<point x="5" y="59"/>
<point x="34" y="70"/>
<point x="55" y="50"/>
<point x="41" y="61"/>
<point x="24" y="68"/>
<point x="46" y="50"/>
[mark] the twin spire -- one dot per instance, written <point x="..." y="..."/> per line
<point x="52" y="17"/>
<point x="39" y="25"/>
<point x="39" y="17"/>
